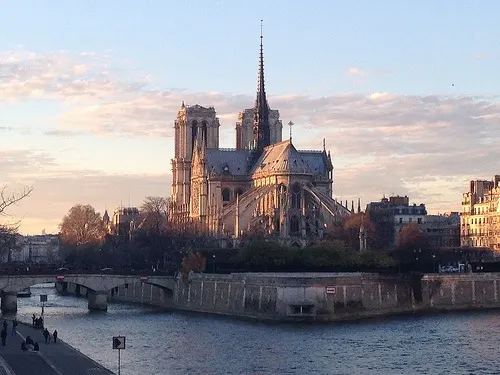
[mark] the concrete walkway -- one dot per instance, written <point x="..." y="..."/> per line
<point x="52" y="359"/>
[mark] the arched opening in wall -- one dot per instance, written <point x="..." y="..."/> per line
<point x="296" y="195"/>
<point x="226" y="195"/>
<point x="282" y="196"/>
<point x="204" y="132"/>
<point x="194" y="132"/>
<point x="308" y="227"/>
<point x="238" y="192"/>
<point x="294" y="225"/>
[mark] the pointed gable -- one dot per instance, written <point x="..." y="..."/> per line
<point x="281" y="157"/>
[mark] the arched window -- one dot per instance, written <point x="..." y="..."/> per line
<point x="194" y="132"/>
<point x="294" y="224"/>
<point x="296" y="195"/>
<point x="226" y="195"/>
<point x="204" y="131"/>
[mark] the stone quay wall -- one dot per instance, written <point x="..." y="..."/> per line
<point x="461" y="291"/>
<point x="319" y="297"/>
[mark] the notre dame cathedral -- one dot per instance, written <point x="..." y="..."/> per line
<point x="264" y="185"/>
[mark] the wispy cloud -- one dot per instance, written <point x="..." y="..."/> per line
<point x="426" y="146"/>
<point x="355" y="72"/>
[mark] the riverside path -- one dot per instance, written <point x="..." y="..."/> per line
<point x="52" y="359"/>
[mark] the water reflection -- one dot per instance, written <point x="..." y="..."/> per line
<point x="182" y="343"/>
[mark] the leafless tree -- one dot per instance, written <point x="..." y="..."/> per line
<point x="8" y="231"/>
<point x="82" y="226"/>
<point x="154" y="214"/>
<point x="10" y="199"/>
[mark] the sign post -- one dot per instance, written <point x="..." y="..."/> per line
<point x="43" y="299"/>
<point x="119" y="343"/>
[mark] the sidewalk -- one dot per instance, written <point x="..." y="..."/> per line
<point x="52" y="359"/>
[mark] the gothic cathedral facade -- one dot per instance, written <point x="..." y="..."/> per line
<point x="264" y="186"/>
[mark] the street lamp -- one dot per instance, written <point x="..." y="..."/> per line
<point x="433" y="263"/>
<point x="213" y="263"/>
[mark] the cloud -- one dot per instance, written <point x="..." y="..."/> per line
<point x="55" y="193"/>
<point x="59" y="76"/>
<point x="355" y="72"/>
<point x="424" y="146"/>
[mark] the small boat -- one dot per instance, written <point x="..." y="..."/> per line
<point x="24" y="293"/>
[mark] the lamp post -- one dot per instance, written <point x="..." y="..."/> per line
<point x="433" y="263"/>
<point x="213" y="263"/>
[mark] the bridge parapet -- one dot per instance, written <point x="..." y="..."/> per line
<point x="97" y="284"/>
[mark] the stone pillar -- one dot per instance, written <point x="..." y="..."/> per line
<point x="98" y="300"/>
<point x="9" y="302"/>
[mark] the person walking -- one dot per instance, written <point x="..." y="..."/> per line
<point x="46" y="335"/>
<point x="33" y="318"/>
<point x="55" y="336"/>
<point x="14" y="326"/>
<point x="3" y="335"/>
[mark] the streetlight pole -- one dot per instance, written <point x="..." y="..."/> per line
<point x="213" y="263"/>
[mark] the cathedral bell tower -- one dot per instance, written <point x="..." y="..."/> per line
<point x="192" y="123"/>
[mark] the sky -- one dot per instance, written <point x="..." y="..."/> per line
<point x="405" y="94"/>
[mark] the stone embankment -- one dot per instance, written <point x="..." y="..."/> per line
<point x="320" y="297"/>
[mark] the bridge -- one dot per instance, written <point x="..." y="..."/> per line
<point x="98" y="286"/>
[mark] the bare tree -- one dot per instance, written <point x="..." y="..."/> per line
<point x="82" y="226"/>
<point x="10" y="199"/>
<point x="154" y="214"/>
<point x="8" y="231"/>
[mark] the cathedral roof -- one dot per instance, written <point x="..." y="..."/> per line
<point x="281" y="157"/>
<point x="227" y="161"/>
<point x="316" y="160"/>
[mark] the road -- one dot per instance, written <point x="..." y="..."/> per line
<point x="52" y="359"/>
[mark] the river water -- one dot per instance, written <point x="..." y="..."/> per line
<point x="183" y="343"/>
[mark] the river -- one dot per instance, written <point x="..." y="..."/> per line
<point x="181" y="343"/>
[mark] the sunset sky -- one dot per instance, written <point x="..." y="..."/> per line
<point x="405" y="93"/>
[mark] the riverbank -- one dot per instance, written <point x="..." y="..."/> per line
<point x="52" y="359"/>
<point x="314" y="297"/>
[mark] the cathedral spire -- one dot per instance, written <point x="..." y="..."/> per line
<point x="261" y="131"/>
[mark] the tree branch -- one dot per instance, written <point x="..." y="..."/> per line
<point x="7" y="200"/>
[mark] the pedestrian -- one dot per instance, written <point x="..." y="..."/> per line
<point x="33" y="318"/>
<point x="46" y="335"/>
<point x="5" y="324"/>
<point x="55" y="336"/>
<point x="3" y="335"/>
<point x="14" y="327"/>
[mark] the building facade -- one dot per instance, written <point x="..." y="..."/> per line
<point x="443" y="231"/>
<point x="480" y="215"/>
<point x="41" y="249"/>
<point x="264" y="185"/>
<point x="392" y="214"/>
